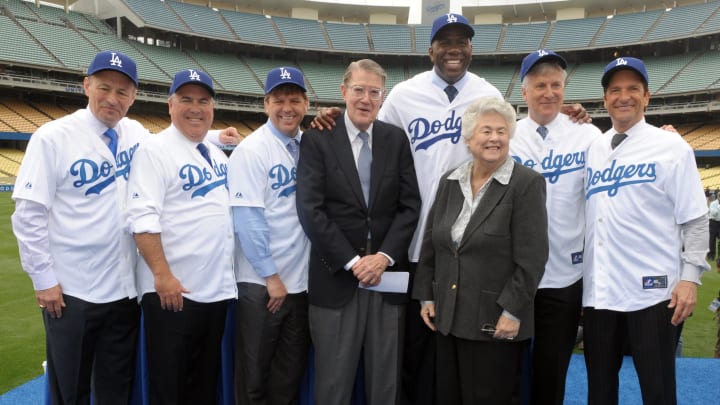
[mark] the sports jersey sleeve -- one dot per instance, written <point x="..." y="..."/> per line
<point x="30" y="225"/>
<point x="37" y="177"/>
<point x="247" y="178"/>
<point x="146" y="192"/>
<point x="253" y="232"/>
<point x="684" y="188"/>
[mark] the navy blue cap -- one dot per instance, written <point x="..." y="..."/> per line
<point x="540" y="55"/>
<point x="621" y="63"/>
<point x="448" y="19"/>
<point x="192" y="76"/>
<point x="113" y="60"/>
<point x="284" y="75"/>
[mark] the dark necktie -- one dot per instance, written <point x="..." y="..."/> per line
<point x="617" y="140"/>
<point x="112" y="135"/>
<point x="543" y="131"/>
<point x="204" y="152"/>
<point x="293" y="147"/>
<point x="364" y="163"/>
<point x="451" y="92"/>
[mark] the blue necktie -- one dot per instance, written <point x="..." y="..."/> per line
<point x="112" y="135"/>
<point x="364" y="163"/>
<point x="293" y="147"/>
<point x="451" y="92"/>
<point x="204" y="152"/>
<point x="543" y="131"/>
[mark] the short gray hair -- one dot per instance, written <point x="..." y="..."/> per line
<point x="487" y="105"/>
<point x="367" y="65"/>
<point x="543" y="67"/>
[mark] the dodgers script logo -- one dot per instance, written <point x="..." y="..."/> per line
<point x="280" y="177"/>
<point x="200" y="178"/>
<point x="425" y="133"/>
<point x="115" y="60"/>
<point x="615" y="176"/>
<point x="555" y="165"/>
<point x="101" y="175"/>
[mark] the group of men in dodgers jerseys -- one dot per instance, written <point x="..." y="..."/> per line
<point x="50" y="212"/>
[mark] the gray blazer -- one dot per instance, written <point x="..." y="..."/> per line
<point x="499" y="262"/>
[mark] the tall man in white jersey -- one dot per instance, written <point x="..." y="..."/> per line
<point x="178" y="211"/>
<point x="271" y="262"/>
<point x="551" y="144"/>
<point x="645" y="242"/>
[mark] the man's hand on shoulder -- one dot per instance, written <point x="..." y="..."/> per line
<point x="325" y="118"/>
<point x="577" y="113"/>
<point x="230" y="136"/>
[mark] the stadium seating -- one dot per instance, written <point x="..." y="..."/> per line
<point x="571" y="34"/>
<point x="201" y="20"/>
<point x="301" y="33"/>
<point x="252" y="28"/>
<point x="680" y="22"/>
<point x="627" y="28"/>
<point x="523" y="38"/>
<point x="392" y="39"/>
<point x="348" y="37"/>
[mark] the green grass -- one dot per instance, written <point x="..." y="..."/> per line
<point x="22" y="337"/>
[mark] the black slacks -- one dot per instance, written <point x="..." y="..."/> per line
<point x="183" y="350"/>
<point x="271" y="351"/>
<point x="557" y="315"/>
<point x="714" y="236"/>
<point x="473" y="372"/>
<point x="92" y="348"/>
<point x="651" y="339"/>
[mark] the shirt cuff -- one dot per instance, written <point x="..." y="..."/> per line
<point x="390" y="259"/>
<point x="510" y="316"/>
<point x="351" y="263"/>
<point x="692" y="273"/>
<point x="44" y="280"/>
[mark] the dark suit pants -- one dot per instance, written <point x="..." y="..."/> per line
<point x="92" y="348"/>
<point x="471" y="372"/>
<point x="557" y="315"/>
<point x="368" y="325"/>
<point x="651" y="339"/>
<point x="183" y="350"/>
<point x="272" y="349"/>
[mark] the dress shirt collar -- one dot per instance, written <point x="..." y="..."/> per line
<point x="353" y="132"/>
<point x="96" y="126"/>
<point x="284" y="139"/>
<point x="638" y="127"/>
<point x="502" y="174"/>
<point x="441" y="84"/>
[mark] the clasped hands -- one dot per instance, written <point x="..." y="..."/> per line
<point x="369" y="269"/>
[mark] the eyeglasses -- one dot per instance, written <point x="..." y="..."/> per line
<point x="360" y="91"/>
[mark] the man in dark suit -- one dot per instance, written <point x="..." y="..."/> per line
<point x="358" y="202"/>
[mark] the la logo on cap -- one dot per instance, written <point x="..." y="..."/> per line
<point x="194" y="75"/>
<point x="115" y="60"/>
<point x="621" y="62"/>
<point x="451" y="18"/>
<point x="284" y="74"/>
<point x="542" y="53"/>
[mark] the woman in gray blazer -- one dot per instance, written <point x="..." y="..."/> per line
<point x="484" y="252"/>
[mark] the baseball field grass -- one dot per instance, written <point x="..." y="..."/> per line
<point x="22" y="338"/>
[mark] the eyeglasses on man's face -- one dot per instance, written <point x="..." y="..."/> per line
<point x="360" y="91"/>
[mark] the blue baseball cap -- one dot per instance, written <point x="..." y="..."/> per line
<point x="284" y="75"/>
<point x="113" y="60"/>
<point x="449" y="19"/>
<point x="540" y="55"/>
<point x="192" y="76"/>
<point x="623" y="63"/>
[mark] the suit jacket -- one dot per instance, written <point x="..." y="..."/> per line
<point x="333" y="213"/>
<point x="498" y="263"/>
